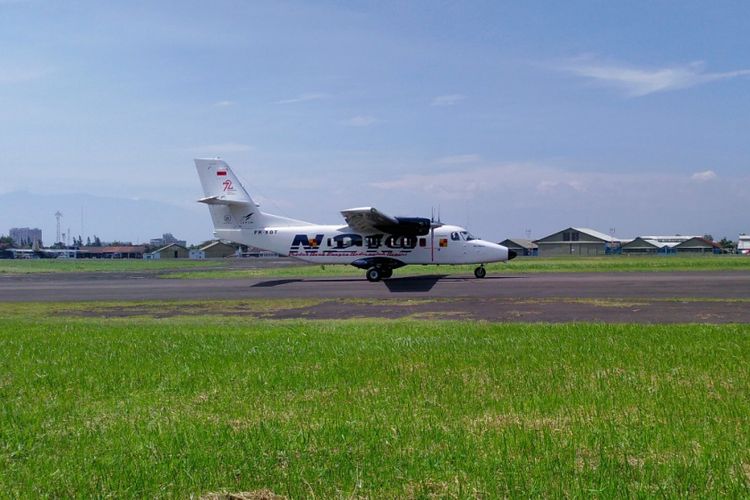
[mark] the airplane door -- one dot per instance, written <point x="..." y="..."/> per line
<point x="432" y="244"/>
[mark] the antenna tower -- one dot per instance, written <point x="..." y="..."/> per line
<point x="58" y="216"/>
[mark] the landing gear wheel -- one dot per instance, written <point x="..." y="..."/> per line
<point x="480" y="272"/>
<point x="373" y="274"/>
<point x="386" y="273"/>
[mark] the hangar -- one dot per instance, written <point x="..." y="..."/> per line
<point x="698" y="244"/>
<point x="650" y="245"/>
<point x="524" y="247"/>
<point x="218" y="250"/>
<point x="578" y="241"/>
<point x="670" y="245"/>
<point x="171" y="251"/>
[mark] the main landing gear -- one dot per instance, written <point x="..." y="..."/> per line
<point x="378" y="268"/>
<point x="480" y="272"/>
<point x="376" y="274"/>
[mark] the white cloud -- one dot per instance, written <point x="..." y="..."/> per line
<point x="315" y="96"/>
<point x="224" y="104"/>
<point x="706" y="176"/>
<point x="506" y="199"/>
<point x="9" y="75"/>
<point x="637" y="82"/>
<point x="360" y="121"/>
<point x="214" y="149"/>
<point x="447" y="100"/>
<point x="529" y="182"/>
<point x="459" y="159"/>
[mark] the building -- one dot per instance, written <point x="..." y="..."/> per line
<point x="698" y="244"/>
<point x="196" y="254"/>
<point x="653" y="244"/>
<point x="743" y="244"/>
<point x="167" y="239"/>
<point x="526" y="248"/>
<point x="112" y="252"/>
<point x="578" y="241"/>
<point x="25" y="236"/>
<point x="666" y="245"/>
<point x="219" y="250"/>
<point x="258" y="253"/>
<point x="171" y="251"/>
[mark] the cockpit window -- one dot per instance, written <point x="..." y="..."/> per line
<point x="468" y="236"/>
<point x="454" y="236"/>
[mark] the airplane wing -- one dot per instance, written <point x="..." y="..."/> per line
<point x="367" y="219"/>
<point x="371" y="220"/>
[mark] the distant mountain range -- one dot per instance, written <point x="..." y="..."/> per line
<point x="112" y="219"/>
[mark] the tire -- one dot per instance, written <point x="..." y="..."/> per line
<point x="386" y="273"/>
<point x="480" y="272"/>
<point x="373" y="274"/>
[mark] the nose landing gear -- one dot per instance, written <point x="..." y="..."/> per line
<point x="480" y="272"/>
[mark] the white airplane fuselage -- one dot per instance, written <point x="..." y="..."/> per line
<point x="334" y="244"/>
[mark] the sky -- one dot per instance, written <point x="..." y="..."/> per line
<point x="515" y="119"/>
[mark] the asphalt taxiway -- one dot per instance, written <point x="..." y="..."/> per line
<point x="671" y="297"/>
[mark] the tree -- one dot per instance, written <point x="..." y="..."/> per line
<point x="708" y="237"/>
<point x="97" y="241"/>
<point x="6" y="242"/>
<point x="88" y="241"/>
<point x="727" y="244"/>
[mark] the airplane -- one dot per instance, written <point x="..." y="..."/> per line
<point x="370" y="239"/>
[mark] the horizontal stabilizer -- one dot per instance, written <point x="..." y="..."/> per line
<point x="220" y="200"/>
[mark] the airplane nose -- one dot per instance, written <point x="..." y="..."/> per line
<point x="512" y="254"/>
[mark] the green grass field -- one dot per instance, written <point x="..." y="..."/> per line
<point x="27" y="266"/>
<point x="153" y="407"/>
<point x="520" y="265"/>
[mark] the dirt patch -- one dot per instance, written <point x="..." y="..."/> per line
<point x="498" y="309"/>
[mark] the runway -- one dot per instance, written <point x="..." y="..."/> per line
<point x="670" y="297"/>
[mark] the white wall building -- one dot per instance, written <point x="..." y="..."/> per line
<point x="25" y="236"/>
<point x="743" y="244"/>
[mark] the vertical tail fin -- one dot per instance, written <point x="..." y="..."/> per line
<point x="220" y="185"/>
<point x="230" y="205"/>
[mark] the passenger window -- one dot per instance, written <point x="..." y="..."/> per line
<point x="454" y="236"/>
<point x="373" y="241"/>
<point x="422" y="242"/>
